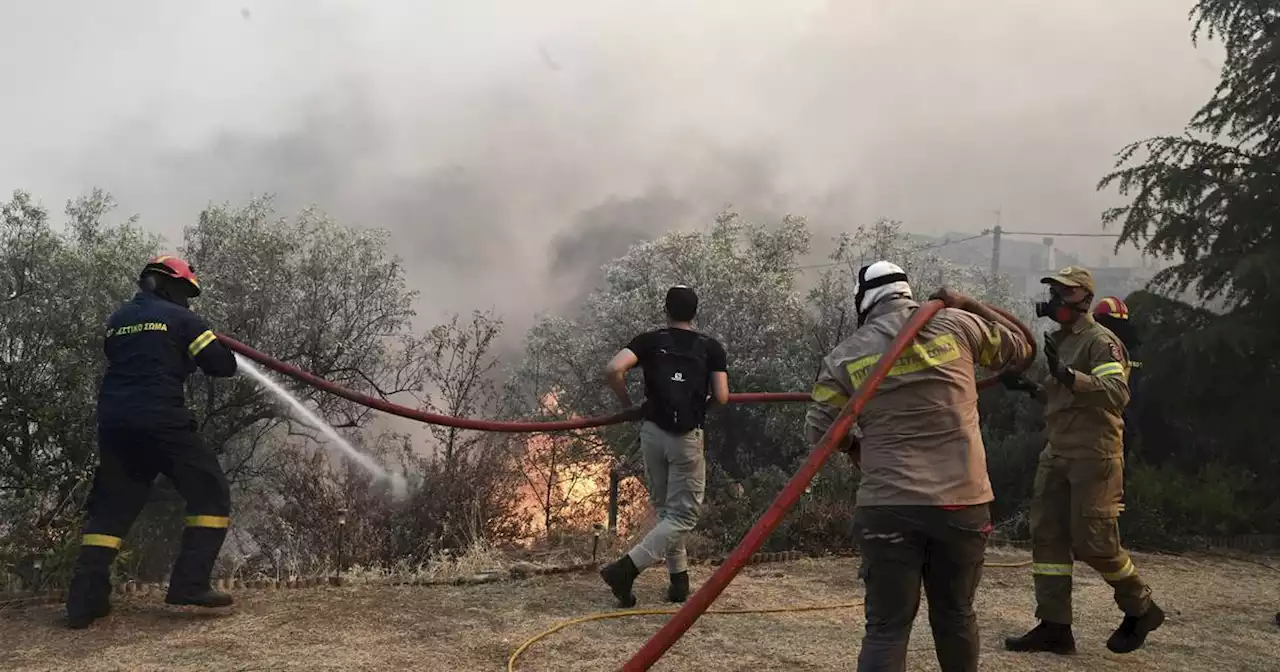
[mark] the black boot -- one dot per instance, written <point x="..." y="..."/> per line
<point x="1050" y="637"/>
<point x="89" y="596"/>
<point x="678" y="591"/>
<point x="620" y="575"/>
<point x="1133" y="630"/>
<point x="189" y="583"/>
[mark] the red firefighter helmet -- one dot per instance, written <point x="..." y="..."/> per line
<point x="1111" y="307"/>
<point x="174" y="267"/>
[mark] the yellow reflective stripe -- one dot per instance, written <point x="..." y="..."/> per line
<point x="1050" y="569"/>
<point x="825" y="394"/>
<point x="103" y="540"/>
<point x="1125" y="572"/>
<point x="919" y="357"/>
<point x="1108" y="369"/>
<point x="208" y="521"/>
<point x="201" y="342"/>
<point x="1135" y="365"/>
<point x="991" y="349"/>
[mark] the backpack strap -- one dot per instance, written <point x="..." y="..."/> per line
<point x="700" y="350"/>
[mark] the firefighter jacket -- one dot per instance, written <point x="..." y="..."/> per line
<point x="152" y="345"/>
<point x="920" y="442"/>
<point x="1086" y="420"/>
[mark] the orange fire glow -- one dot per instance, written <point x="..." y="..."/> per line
<point x="574" y="490"/>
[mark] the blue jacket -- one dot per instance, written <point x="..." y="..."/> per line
<point x="152" y="345"/>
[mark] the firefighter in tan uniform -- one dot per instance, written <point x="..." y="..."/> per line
<point x="923" y="504"/>
<point x="1079" y="483"/>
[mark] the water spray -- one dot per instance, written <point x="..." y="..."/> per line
<point x="399" y="487"/>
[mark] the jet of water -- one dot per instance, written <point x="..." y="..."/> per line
<point x="399" y="487"/>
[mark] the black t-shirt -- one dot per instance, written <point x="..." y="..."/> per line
<point x="643" y="345"/>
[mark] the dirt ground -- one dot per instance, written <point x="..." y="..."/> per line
<point x="1220" y="618"/>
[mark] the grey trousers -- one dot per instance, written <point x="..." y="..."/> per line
<point x="677" y="472"/>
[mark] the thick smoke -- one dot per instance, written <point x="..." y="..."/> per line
<point x="512" y="147"/>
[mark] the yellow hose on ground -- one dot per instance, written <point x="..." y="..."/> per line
<point x="604" y="615"/>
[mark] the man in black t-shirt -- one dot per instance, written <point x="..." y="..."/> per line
<point x="683" y="372"/>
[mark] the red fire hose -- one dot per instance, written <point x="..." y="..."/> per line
<point x="698" y="603"/>
<point x="471" y="423"/>
<point x="516" y="426"/>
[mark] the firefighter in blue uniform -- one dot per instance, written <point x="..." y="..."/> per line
<point x="153" y="342"/>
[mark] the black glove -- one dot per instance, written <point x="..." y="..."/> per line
<point x="1017" y="383"/>
<point x="1063" y="374"/>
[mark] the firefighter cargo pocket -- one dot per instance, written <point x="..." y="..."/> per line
<point x="1099" y="532"/>
<point x="1098" y="486"/>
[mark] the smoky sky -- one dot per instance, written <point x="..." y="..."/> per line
<point x="510" y="147"/>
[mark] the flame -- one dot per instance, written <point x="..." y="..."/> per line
<point x="575" y="490"/>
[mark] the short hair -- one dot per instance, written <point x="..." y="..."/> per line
<point x="682" y="303"/>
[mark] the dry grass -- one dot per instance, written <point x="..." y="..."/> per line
<point x="479" y="558"/>
<point x="1219" y="619"/>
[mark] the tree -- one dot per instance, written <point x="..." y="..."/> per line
<point x="56" y="289"/>
<point x="333" y="301"/>
<point x="326" y="298"/>
<point x="460" y="367"/>
<point x="1209" y="199"/>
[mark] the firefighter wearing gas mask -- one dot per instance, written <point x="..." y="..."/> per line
<point x="153" y="342"/>
<point x="1079" y="482"/>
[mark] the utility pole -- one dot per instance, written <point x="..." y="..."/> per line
<point x="995" y="249"/>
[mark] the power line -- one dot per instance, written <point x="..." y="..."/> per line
<point x="915" y="249"/>
<point x="1052" y="234"/>
<point x="952" y="242"/>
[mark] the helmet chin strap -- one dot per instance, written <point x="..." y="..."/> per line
<point x="167" y="288"/>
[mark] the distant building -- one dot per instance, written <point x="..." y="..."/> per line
<point x="1109" y="280"/>
<point x="1025" y="262"/>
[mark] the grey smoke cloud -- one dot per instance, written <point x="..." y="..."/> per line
<point x="512" y="146"/>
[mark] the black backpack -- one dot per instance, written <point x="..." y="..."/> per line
<point x="679" y="384"/>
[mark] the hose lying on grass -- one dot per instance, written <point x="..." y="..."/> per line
<point x="511" y="662"/>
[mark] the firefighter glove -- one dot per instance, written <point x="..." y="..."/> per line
<point x="1018" y="383"/>
<point x="1063" y="374"/>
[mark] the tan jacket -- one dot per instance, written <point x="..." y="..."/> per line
<point x="1086" y="420"/>
<point x="920" y="442"/>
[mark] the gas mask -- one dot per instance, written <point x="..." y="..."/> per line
<point x="1058" y="310"/>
